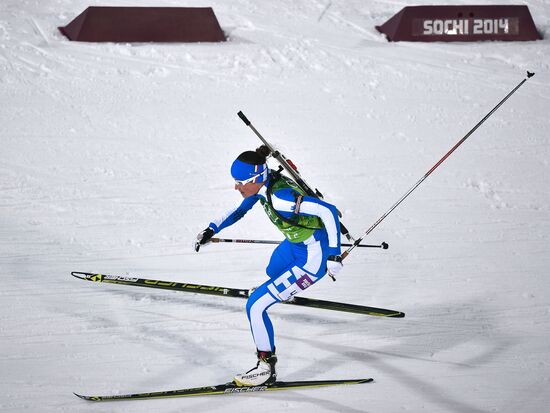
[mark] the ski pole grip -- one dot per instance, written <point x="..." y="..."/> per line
<point x="244" y="118"/>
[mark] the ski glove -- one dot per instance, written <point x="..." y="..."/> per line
<point x="203" y="238"/>
<point x="334" y="265"/>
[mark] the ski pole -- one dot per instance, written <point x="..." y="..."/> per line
<point x="383" y="245"/>
<point x="460" y="142"/>
<point x="292" y="170"/>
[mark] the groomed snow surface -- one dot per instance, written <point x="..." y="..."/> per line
<point x="114" y="156"/>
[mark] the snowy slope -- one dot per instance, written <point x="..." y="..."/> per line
<point x="115" y="155"/>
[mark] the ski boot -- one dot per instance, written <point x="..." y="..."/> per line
<point x="263" y="374"/>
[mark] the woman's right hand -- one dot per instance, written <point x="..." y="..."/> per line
<point x="203" y="238"/>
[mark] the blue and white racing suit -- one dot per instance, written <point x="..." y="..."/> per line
<point x="293" y="267"/>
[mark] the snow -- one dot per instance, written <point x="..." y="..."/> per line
<point x="114" y="156"/>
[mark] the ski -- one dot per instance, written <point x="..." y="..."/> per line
<point x="233" y="292"/>
<point x="228" y="388"/>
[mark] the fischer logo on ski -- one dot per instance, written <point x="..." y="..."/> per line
<point x="245" y="389"/>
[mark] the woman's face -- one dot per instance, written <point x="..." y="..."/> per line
<point x="248" y="189"/>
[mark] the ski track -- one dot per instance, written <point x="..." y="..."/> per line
<point x="115" y="155"/>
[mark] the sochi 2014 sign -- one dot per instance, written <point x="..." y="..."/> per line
<point x="460" y="23"/>
<point x="457" y="27"/>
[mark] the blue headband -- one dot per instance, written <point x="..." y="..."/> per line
<point x="242" y="171"/>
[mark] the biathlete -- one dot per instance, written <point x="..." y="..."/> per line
<point x="311" y="248"/>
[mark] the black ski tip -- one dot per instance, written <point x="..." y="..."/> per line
<point x="89" y="398"/>
<point x="87" y="276"/>
<point x="385" y="246"/>
<point x="80" y="275"/>
<point x="243" y="118"/>
<point x="530" y="74"/>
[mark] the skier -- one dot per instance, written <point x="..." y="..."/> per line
<point x="311" y="248"/>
